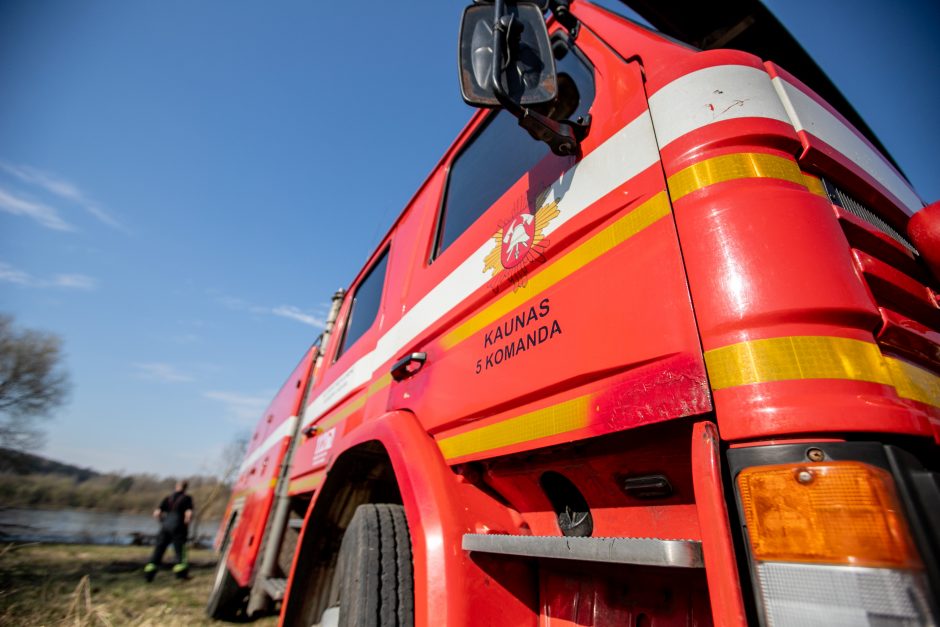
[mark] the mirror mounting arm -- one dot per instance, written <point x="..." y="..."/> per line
<point x="562" y="137"/>
<point x="562" y="12"/>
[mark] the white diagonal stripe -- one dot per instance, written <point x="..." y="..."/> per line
<point x="810" y="116"/>
<point x="284" y="430"/>
<point x="625" y="154"/>
<point x="711" y="95"/>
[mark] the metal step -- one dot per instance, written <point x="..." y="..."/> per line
<point x="275" y="588"/>
<point x="295" y="523"/>
<point x="637" y="551"/>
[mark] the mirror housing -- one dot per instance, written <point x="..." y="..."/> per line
<point x="515" y="38"/>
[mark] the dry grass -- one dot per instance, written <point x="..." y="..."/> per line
<point x="88" y="586"/>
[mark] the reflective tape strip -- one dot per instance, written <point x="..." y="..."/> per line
<point x="306" y="483"/>
<point x="731" y="167"/>
<point x="623" y="229"/>
<point x="914" y="383"/>
<point x="818" y="357"/>
<point x="561" y="418"/>
<point x="284" y="430"/>
<point x="627" y="153"/>
<point x="814" y="184"/>
<point x="357" y="403"/>
<point x="255" y="488"/>
<point x="808" y="115"/>
<point x="713" y="95"/>
<point x="800" y="357"/>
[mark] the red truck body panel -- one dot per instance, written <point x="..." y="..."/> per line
<point x="688" y="286"/>
<point x="253" y="493"/>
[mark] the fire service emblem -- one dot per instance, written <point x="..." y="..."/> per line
<point x="519" y="243"/>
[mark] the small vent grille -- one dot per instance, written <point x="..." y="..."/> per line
<point x="862" y="212"/>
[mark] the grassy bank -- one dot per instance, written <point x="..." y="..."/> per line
<point x="87" y="585"/>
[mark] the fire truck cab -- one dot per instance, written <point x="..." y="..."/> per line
<point x="651" y="345"/>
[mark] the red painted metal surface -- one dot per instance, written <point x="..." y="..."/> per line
<point x="721" y="569"/>
<point x="924" y="229"/>
<point x="441" y="506"/>
<point x="820" y="156"/>
<point x="603" y="596"/>
<point x="618" y="387"/>
<point x="253" y="493"/>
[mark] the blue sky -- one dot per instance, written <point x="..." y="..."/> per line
<point x="184" y="184"/>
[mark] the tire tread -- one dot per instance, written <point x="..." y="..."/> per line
<point x="375" y="567"/>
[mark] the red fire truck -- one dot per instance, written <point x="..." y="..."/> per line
<point x="657" y="342"/>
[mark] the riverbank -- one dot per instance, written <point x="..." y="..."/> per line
<point x="85" y="585"/>
<point x="76" y="526"/>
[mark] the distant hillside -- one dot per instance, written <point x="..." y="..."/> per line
<point x="33" y="481"/>
<point x="20" y="463"/>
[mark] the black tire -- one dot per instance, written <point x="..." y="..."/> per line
<point x="374" y="569"/>
<point x="226" y="598"/>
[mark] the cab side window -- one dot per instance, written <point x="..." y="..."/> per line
<point x="501" y="152"/>
<point x="365" y="304"/>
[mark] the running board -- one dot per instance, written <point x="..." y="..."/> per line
<point x="637" y="551"/>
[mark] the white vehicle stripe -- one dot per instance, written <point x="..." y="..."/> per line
<point x="727" y="92"/>
<point x="687" y="104"/>
<point x="285" y="429"/>
<point x="711" y="95"/>
<point x="810" y="116"/>
<point x="625" y="154"/>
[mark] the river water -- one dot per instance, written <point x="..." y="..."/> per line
<point x="86" y="527"/>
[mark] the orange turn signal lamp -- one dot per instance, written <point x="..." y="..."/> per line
<point x="845" y="513"/>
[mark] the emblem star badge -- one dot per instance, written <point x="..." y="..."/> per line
<point x="519" y="242"/>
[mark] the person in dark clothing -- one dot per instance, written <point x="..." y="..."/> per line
<point x="174" y="513"/>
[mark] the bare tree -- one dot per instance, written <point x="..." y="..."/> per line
<point x="225" y="470"/>
<point x="32" y="383"/>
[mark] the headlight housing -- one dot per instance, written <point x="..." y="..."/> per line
<point x="829" y="541"/>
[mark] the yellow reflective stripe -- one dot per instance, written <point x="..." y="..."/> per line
<point x="379" y="383"/>
<point x="815" y="185"/>
<point x="623" y="229"/>
<point x="309" y="482"/>
<point x="255" y="488"/>
<point x="800" y="357"/>
<point x="355" y="404"/>
<point x="914" y="383"/>
<point x="818" y="357"/>
<point x="729" y="167"/>
<point x="561" y="418"/>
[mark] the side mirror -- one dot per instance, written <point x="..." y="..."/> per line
<point x="515" y="40"/>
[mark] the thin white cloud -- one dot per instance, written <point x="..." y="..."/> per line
<point x="62" y="188"/>
<point x="74" y="281"/>
<point x="11" y="274"/>
<point x="295" y="313"/>
<point x="43" y="214"/>
<point x="309" y="317"/>
<point x="162" y="372"/>
<point x="243" y="408"/>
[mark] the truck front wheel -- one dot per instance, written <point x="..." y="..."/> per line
<point x="374" y="583"/>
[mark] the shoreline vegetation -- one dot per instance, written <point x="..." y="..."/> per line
<point x="92" y="585"/>
<point x="126" y="494"/>
<point x="33" y="482"/>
